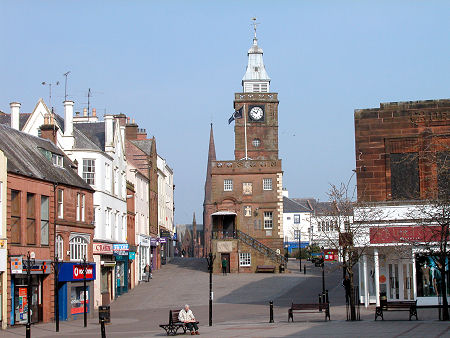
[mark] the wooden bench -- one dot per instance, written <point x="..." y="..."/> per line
<point x="410" y="306"/>
<point x="265" y="268"/>
<point x="174" y="324"/>
<point x="309" y="308"/>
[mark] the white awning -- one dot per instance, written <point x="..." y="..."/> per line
<point x="224" y="213"/>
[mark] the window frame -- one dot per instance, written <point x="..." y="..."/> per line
<point x="45" y="221"/>
<point x="245" y="259"/>
<point x="83" y="206"/>
<point x="268" y="220"/>
<point x="227" y="184"/>
<point x="88" y="176"/>
<point x="297" y="218"/>
<point x="78" y="206"/>
<point x="16" y="216"/>
<point x="78" y="248"/>
<point x="59" y="247"/>
<point x="60" y="202"/>
<point x="266" y="184"/>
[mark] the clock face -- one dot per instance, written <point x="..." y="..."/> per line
<point x="256" y="113"/>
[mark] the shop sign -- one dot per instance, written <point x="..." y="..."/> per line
<point x="103" y="248"/>
<point x="404" y="234"/>
<point x="144" y="241"/>
<point x="330" y="255"/>
<point x="69" y="272"/>
<point x="16" y="264"/>
<point x="165" y="233"/>
<point x="153" y="241"/>
<point x="131" y="255"/>
<point x="163" y="240"/>
<point x="120" y="249"/>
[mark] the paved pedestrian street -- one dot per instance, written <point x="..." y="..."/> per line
<point x="241" y="310"/>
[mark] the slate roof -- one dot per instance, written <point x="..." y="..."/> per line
<point x="290" y="205"/>
<point x="6" y="119"/>
<point x="144" y="145"/>
<point x="26" y="157"/>
<point x="90" y="135"/>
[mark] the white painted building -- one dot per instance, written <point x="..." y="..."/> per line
<point x="97" y="148"/>
<point x="165" y="207"/>
<point x="296" y="221"/>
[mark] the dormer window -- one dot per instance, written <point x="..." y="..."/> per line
<point x="57" y="160"/>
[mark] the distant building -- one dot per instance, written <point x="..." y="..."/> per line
<point x="296" y="224"/>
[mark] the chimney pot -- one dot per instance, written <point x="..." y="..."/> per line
<point x="94" y="112"/>
<point x="84" y="111"/>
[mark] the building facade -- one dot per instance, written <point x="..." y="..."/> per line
<point x="401" y="148"/>
<point x="296" y="224"/>
<point x="3" y="241"/>
<point x="243" y="206"/>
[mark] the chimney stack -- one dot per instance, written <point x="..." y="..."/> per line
<point x="109" y="120"/>
<point x="15" y="115"/>
<point x="68" y="118"/>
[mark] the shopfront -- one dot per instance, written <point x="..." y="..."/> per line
<point x="71" y="289"/>
<point x="154" y="252"/>
<point x="39" y="272"/>
<point x="144" y="256"/>
<point x="105" y="266"/>
<point x="121" y="257"/>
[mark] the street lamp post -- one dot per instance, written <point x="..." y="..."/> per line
<point x="84" y="266"/>
<point x="30" y="263"/>
<point x="56" y="267"/>
<point x="323" y="272"/>
<point x="210" y="260"/>
<point x="300" y="248"/>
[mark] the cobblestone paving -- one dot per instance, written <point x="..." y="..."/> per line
<point x="241" y="308"/>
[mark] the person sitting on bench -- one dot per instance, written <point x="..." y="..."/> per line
<point x="186" y="316"/>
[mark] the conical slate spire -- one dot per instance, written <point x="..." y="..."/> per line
<point x="211" y="158"/>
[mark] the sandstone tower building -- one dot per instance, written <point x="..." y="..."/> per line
<point x="243" y="205"/>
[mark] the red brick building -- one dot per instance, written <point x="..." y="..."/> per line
<point x="45" y="197"/>
<point x="243" y="206"/>
<point x="400" y="148"/>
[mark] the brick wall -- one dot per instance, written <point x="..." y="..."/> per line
<point x="419" y="127"/>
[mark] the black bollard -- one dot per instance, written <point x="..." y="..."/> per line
<point x="271" y="312"/>
<point x="320" y="302"/>
<point x="326" y="296"/>
<point x="304" y="269"/>
<point x="102" y="326"/>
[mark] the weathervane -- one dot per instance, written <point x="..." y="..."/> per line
<point x="255" y="25"/>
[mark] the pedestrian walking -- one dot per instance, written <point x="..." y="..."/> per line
<point x="186" y="316"/>
<point x="224" y="266"/>
<point x="346" y="285"/>
<point x="147" y="271"/>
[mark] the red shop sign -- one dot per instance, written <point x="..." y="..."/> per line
<point x="103" y="248"/>
<point x="405" y="234"/>
<point x="78" y="272"/>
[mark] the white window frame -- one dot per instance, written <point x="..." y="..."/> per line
<point x="83" y="204"/>
<point x="245" y="259"/>
<point x="268" y="220"/>
<point x="78" y="247"/>
<point x="59" y="194"/>
<point x="89" y="176"/>
<point x="107" y="177"/>
<point x="267" y="184"/>
<point x="228" y="184"/>
<point x="78" y="207"/>
<point x="57" y="160"/>
<point x="59" y="247"/>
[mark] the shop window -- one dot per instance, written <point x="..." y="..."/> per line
<point x="78" y="248"/>
<point x="31" y="219"/>
<point x="44" y="219"/>
<point x="15" y="216"/>
<point x="77" y="300"/>
<point x="59" y="247"/>
<point x="245" y="259"/>
<point x="405" y="183"/>
<point x="429" y="278"/>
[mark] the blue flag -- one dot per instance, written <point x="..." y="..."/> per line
<point x="236" y="115"/>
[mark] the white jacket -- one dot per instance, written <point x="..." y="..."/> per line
<point x="184" y="316"/>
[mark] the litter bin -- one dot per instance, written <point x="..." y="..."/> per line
<point x="104" y="312"/>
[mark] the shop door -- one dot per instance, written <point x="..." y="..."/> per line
<point x="400" y="281"/>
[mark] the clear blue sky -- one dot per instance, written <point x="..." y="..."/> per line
<point x="175" y="65"/>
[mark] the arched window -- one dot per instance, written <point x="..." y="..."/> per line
<point x="59" y="248"/>
<point x="78" y="248"/>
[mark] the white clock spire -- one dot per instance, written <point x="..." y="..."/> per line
<point x="256" y="79"/>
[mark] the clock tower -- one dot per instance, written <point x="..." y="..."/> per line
<point x="256" y="133"/>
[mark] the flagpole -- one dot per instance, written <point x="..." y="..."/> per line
<point x="245" y="131"/>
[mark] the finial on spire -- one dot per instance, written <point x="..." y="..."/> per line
<point x="255" y="25"/>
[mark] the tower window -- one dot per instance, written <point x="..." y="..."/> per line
<point x="268" y="219"/>
<point x="227" y="185"/>
<point x="256" y="142"/>
<point x="267" y="184"/>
